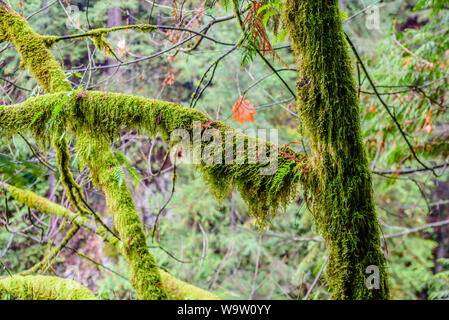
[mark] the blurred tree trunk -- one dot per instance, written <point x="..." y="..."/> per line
<point x="114" y="20"/>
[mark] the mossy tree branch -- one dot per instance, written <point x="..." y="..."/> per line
<point x="35" y="55"/>
<point x="96" y="119"/>
<point x="99" y="116"/>
<point x="39" y="287"/>
<point x="48" y="260"/>
<point x="32" y="50"/>
<point x="99" y="35"/>
<point x="32" y="200"/>
<point x="342" y="200"/>
<point x="177" y="289"/>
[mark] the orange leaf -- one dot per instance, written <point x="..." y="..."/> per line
<point x="428" y="127"/>
<point x="372" y="109"/>
<point x="407" y="61"/>
<point x="169" y="79"/>
<point x="243" y="110"/>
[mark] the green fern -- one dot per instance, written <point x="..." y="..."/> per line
<point x="118" y="175"/>
<point x="135" y="176"/>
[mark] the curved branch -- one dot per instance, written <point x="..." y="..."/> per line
<point x="47" y="261"/>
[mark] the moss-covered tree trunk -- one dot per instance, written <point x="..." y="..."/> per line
<point x="341" y="190"/>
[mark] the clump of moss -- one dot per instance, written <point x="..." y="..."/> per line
<point x="99" y="116"/>
<point x="99" y="39"/>
<point x="341" y="190"/>
<point x="264" y="194"/>
<point x="43" y="288"/>
<point x="99" y="35"/>
<point x="49" y="41"/>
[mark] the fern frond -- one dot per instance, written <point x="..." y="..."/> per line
<point x="255" y="23"/>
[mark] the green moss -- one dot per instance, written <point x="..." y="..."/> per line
<point x="145" y="276"/>
<point x="176" y="289"/>
<point x="341" y="191"/>
<point x="96" y="119"/>
<point x="180" y="290"/>
<point x="33" y="51"/>
<point x="99" y="39"/>
<point x="49" y="41"/>
<point x="35" y="55"/>
<point x="44" y="205"/>
<point x="73" y="190"/>
<point x="99" y="35"/>
<point x="43" y="288"/>
<point x="102" y="117"/>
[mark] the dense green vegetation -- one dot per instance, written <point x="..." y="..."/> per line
<point x="248" y="243"/>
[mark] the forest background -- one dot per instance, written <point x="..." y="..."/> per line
<point x="403" y="44"/>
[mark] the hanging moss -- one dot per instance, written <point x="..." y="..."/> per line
<point x="96" y="119"/>
<point x="73" y="190"/>
<point x="341" y="192"/>
<point x="99" y="35"/>
<point x="35" y="55"/>
<point x="102" y="117"/>
<point x="43" y="288"/>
